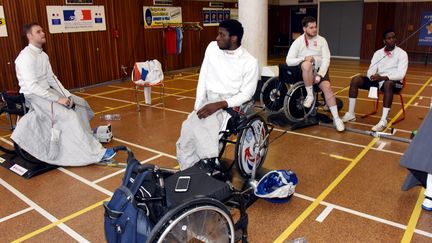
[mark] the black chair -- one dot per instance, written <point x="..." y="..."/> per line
<point x="13" y="104"/>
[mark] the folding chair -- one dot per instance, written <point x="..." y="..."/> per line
<point x="13" y="104"/>
<point x="148" y="74"/>
<point x="401" y="101"/>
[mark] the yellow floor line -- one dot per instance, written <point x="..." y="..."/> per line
<point x="413" y="219"/>
<point x="101" y="93"/>
<point x="60" y="221"/>
<point x="341" y="176"/>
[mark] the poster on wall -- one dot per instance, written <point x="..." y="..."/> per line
<point x="425" y="34"/>
<point x="155" y="17"/>
<point x="3" y="30"/>
<point x="213" y="16"/>
<point x="64" y="19"/>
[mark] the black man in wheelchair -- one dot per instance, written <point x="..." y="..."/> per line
<point x="56" y="130"/>
<point x="228" y="78"/>
<point x="310" y="55"/>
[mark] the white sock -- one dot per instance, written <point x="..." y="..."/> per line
<point x="334" y="111"/>
<point x="428" y="191"/>
<point x="309" y="90"/>
<point x="385" y="113"/>
<point x="351" y="106"/>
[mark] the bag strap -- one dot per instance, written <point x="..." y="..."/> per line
<point x="129" y="169"/>
<point x="139" y="179"/>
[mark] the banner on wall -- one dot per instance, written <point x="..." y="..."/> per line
<point x="213" y="16"/>
<point x="64" y="19"/>
<point x="155" y="17"/>
<point x="3" y="30"/>
<point x="425" y="34"/>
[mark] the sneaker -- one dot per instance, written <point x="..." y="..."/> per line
<point x="109" y="154"/>
<point x="307" y="103"/>
<point x="427" y="204"/>
<point x="338" y="123"/>
<point x="380" y="126"/>
<point x="348" y="117"/>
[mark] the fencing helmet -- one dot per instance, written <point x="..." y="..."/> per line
<point x="277" y="186"/>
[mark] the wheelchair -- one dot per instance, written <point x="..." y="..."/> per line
<point x="202" y="213"/>
<point x="286" y="93"/>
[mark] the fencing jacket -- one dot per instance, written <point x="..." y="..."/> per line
<point x="35" y="75"/>
<point x="393" y="64"/>
<point x="316" y="47"/>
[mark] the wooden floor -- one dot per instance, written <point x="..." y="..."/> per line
<point x="349" y="184"/>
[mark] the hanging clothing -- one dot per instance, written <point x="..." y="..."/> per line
<point x="171" y="40"/>
<point x="37" y="82"/>
<point x="179" y="39"/>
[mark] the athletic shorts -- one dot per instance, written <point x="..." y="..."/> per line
<point x="367" y="83"/>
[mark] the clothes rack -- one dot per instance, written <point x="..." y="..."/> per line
<point x="185" y="26"/>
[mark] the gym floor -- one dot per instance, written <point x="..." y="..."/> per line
<point x="349" y="184"/>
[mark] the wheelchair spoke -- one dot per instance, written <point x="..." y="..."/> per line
<point x="200" y="226"/>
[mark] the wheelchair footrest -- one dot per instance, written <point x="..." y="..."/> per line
<point x="23" y="168"/>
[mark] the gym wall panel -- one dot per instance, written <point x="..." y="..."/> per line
<point x="86" y="58"/>
<point x="403" y="17"/>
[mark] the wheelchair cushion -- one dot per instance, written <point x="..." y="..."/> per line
<point x="200" y="184"/>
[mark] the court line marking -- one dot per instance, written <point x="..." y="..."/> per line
<point x="337" y="156"/>
<point x="61" y="222"/>
<point x="363" y="215"/>
<point x="381" y="146"/>
<point x="85" y="181"/>
<point x="323" y="215"/>
<point x="145" y="148"/>
<point x="294" y="225"/>
<point x="11" y="216"/>
<point x="43" y="212"/>
<point x="414" y="218"/>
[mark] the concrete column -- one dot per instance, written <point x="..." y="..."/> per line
<point x="253" y="14"/>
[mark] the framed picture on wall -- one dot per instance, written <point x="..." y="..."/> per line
<point x="79" y="1"/>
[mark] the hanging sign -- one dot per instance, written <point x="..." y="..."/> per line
<point x="63" y="19"/>
<point x="3" y="30"/>
<point x="213" y="16"/>
<point x="155" y="17"/>
<point x="425" y="34"/>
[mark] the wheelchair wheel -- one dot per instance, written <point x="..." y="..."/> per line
<point x="199" y="220"/>
<point x="251" y="146"/>
<point x="272" y="94"/>
<point x="293" y="105"/>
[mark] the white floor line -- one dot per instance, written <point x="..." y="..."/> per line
<point x="85" y="181"/>
<point x="43" y="212"/>
<point x="335" y="141"/>
<point x="181" y="98"/>
<point x="122" y="170"/>
<point x="363" y="215"/>
<point x="16" y="214"/>
<point x="381" y="146"/>
<point x="144" y="148"/>
<point x="323" y="215"/>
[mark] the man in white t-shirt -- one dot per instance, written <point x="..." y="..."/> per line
<point x="386" y="71"/>
<point x="311" y="55"/>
